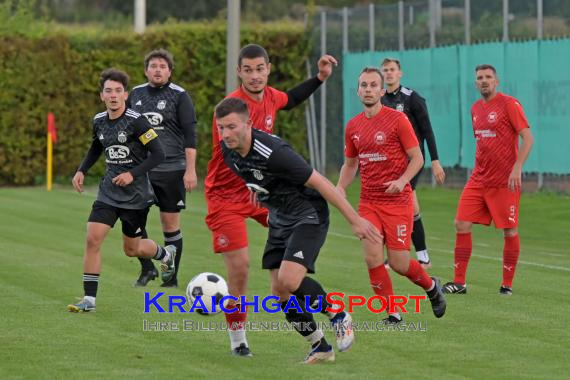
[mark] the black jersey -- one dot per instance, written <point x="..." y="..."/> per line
<point x="277" y="174"/>
<point x="414" y="106"/>
<point x="123" y="141"/>
<point x="170" y="111"/>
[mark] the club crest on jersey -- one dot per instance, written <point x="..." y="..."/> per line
<point x="492" y="117"/>
<point x="223" y="241"/>
<point x="380" y="138"/>
<point x="268" y="121"/>
<point x="400" y="107"/>
<point x="257" y="174"/>
<point x="161" y="104"/>
<point x="122" y="137"/>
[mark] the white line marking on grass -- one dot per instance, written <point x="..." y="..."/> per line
<point x="555" y="267"/>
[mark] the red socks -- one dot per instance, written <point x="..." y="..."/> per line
<point x="237" y="319"/>
<point x="381" y="282"/>
<point x="463" y="248"/>
<point x="511" y="253"/>
<point x="418" y="275"/>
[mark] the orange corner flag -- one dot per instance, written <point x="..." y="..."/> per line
<point x="52" y="131"/>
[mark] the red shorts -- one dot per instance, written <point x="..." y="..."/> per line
<point x="479" y="205"/>
<point x="395" y="222"/>
<point x="227" y="223"/>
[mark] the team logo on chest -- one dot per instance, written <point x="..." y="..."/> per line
<point x="268" y="121"/>
<point x="492" y="117"/>
<point x="257" y="174"/>
<point x="161" y="104"/>
<point x="400" y="107"/>
<point x="122" y="137"/>
<point x="379" y="138"/>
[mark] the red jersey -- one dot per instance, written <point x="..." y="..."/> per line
<point x="496" y="126"/>
<point x="221" y="183"/>
<point x="380" y="143"/>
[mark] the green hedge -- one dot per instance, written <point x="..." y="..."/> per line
<point x="58" y="73"/>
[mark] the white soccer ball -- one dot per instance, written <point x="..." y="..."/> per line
<point x="207" y="285"/>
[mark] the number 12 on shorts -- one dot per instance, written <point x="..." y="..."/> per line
<point x="402" y="233"/>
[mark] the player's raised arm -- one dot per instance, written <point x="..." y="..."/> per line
<point x="362" y="228"/>
<point x="302" y="91"/>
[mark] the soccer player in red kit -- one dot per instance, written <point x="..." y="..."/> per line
<point x="229" y="201"/>
<point x="493" y="190"/>
<point x="382" y="143"/>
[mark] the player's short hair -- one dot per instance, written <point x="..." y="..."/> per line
<point x="114" y="75"/>
<point x="390" y="60"/>
<point x="486" y="66"/>
<point x="372" y="69"/>
<point x="159" y="53"/>
<point x="252" y="51"/>
<point x="231" y="105"/>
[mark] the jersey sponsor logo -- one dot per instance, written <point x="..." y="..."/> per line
<point x="372" y="157"/>
<point x="257" y="174"/>
<point x="117" y="152"/>
<point x="380" y="138"/>
<point x="148" y="136"/>
<point x="492" y="117"/>
<point x="154" y="118"/>
<point x="485" y="133"/>
<point x="161" y="104"/>
<point x="400" y="107"/>
<point x="256" y="188"/>
<point x="122" y="137"/>
<point x="139" y="103"/>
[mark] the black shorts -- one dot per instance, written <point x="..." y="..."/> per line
<point x="300" y="244"/>
<point x="169" y="190"/>
<point x="132" y="221"/>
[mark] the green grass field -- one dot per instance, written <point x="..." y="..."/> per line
<point x="482" y="335"/>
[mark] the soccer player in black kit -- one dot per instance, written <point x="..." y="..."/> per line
<point x="296" y="196"/>
<point x="126" y="138"/>
<point x="414" y="106"/>
<point x="170" y="111"/>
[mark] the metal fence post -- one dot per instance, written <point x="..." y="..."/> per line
<point x="371" y="32"/>
<point x="345" y="30"/>
<point x="400" y="25"/>
<point x="505" y="20"/>
<point x="140" y="16"/>
<point x="432" y="21"/>
<point x="323" y="97"/>
<point x="467" y="22"/>
<point x="539" y="19"/>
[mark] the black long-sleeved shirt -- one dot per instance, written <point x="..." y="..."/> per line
<point x="414" y="106"/>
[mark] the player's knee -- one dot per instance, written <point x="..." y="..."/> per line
<point x="93" y="243"/>
<point x="398" y="267"/>
<point x="462" y="226"/>
<point x="288" y="282"/>
<point x="130" y="250"/>
<point x="278" y="290"/>
<point x="373" y="259"/>
<point x="510" y="232"/>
